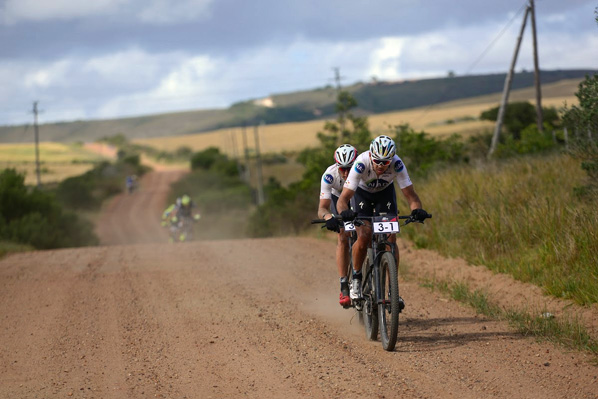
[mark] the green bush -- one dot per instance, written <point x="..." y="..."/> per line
<point x="35" y="217"/>
<point x="519" y="115"/>
<point x="90" y="189"/>
<point x="420" y="151"/>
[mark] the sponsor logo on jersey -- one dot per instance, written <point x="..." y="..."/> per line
<point x="359" y="167"/>
<point x="377" y="183"/>
<point x="399" y="166"/>
<point x="328" y="178"/>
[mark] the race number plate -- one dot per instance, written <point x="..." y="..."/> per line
<point x="379" y="227"/>
<point x="386" y="227"/>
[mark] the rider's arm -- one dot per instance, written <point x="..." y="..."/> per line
<point x="412" y="197"/>
<point x="324" y="209"/>
<point x="343" y="201"/>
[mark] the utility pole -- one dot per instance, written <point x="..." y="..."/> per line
<point x="539" y="115"/>
<point x="246" y="152"/>
<point x="36" y="129"/>
<point x="260" y="183"/>
<point x="337" y="78"/>
<point x="235" y="154"/>
<point x="506" y="89"/>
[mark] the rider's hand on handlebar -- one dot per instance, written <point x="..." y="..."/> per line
<point x="348" y="215"/>
<point x="419" y="214"/>
<point x="333" y="224"/>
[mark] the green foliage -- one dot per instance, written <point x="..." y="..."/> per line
<point x="531" y="141"/>
<point x="90" y="189"/>
<point x="287" y="210"/>
<point x="212" y="159"/>
<point x="222" y="200"/>
<point x="519" y="115"/>
<point x="35" y="218"/>
<point x="582" y="121"/>
<point x="519" y="217"/>
<point x="421" y="152"/>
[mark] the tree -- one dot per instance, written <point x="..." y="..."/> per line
<point x="583" y="121"/>
<point x="520" y="115"/>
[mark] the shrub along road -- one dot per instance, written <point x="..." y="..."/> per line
<point x="251" y="318"/>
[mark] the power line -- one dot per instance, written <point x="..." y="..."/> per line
<point x="441" y="98"/>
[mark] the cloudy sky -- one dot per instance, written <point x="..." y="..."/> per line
<point x="111" y="58"/>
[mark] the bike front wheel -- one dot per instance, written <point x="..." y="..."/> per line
<point x="388" y="310"/>
<point x="369" y="310"/>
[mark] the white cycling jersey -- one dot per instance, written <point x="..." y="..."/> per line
<point x="362" y="174"/>
<point x="332" y="183"/>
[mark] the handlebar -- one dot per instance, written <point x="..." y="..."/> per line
<point x="359" y="219"/>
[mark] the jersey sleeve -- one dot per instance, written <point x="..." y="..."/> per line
<point x="326" y="185"/>
<point x="402" y="178"/>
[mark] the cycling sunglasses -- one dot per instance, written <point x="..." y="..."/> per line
<point x="381" y="162"/>
<point x="347" y="169"/>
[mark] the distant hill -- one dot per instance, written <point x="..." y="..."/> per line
<point x="373" y="98"/>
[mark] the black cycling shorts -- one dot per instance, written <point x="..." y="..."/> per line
<point x="384" y="201"/>
<point x="335" y="200"/>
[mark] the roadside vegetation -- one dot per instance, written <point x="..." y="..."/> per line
<point x="33" y="218"/>
<point x="567" y="331"/>
<point x="529" y="212"/>
<point x="55" y="215"/>
<point x="222" y="197"/>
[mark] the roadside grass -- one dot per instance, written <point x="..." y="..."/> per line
<point x="7" y="247"/>
<point x="276" y="138"/>
<point x="49" y="152"/>
<point x="49" y="172"/>
<point x="58" y="161"/>
<point x="567" y="331"/>
<point x="519" y="217"/>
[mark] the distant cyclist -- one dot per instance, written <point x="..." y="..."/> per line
<point x="370" y="185"/>
<point x="332" y="183"/>
<point x="182" y="208"/>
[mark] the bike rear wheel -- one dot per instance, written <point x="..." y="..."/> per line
<point x="388" y="310"/>
<point x="370" y="308"/>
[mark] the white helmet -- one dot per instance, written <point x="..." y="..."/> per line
<point x="382" y="148"/>
<point x="345" y="155"/>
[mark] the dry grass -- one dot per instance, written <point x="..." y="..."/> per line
<point x="49" y="172"/>
<point x="57" y="161"/>
<point x="443" y="119"/>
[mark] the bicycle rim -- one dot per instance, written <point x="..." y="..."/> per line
<point x="369" y="311"/>
<point x="388" y="311"/>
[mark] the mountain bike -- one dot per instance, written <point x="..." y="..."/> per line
<point x="380" y="304"/>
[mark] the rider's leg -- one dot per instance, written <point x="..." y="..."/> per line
<point x="342" y="253"/>
<point x="364" y="237"/>
<point x="342" y="265"/>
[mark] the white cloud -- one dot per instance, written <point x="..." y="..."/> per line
<point x="385" y="60"/>
<point x="55" y="74"/>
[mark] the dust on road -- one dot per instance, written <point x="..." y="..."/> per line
<point x="255" y="318"/>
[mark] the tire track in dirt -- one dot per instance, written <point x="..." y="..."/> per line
<point x="254" y="318"/>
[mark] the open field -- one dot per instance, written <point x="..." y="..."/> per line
<point x="443" y="119"/>
<point x="58" y="161"/>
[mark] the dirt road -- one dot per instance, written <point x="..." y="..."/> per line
<point x="248" y="319"/>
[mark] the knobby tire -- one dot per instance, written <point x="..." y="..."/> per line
<point x="369" y="311"/>
<point x="388" y="313"/>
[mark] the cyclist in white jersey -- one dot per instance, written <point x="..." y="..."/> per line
<point x="332" y="184"/>
<point x="370" y="186"/>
